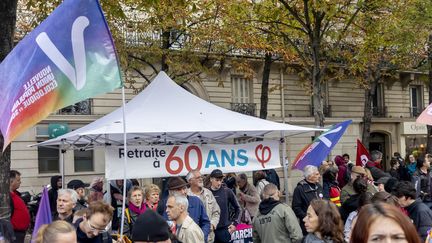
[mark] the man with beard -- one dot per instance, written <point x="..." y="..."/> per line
<point x="275" y="221"/>
<point x="79" y="187"/>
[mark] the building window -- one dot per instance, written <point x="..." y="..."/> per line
<point x="241" y="88"/>
<point x="416" y="100"/>
<point x="378" y="108"/>
<point x="48" y="160"/>
<point x="83" y="161"/>
<point x="242" y="95"/>
<point x="80" y="108"/>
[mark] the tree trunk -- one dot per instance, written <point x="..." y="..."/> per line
<point x="367" y="113"/>
<point x="8" y="10"/>
<point x="265" y="85"/>
<point x="367" y="118"/>
<point x="429" y="128"/>
<point x="317" y="101"/>
<point x="165" y="49"/>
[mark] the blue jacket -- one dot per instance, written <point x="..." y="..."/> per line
<point x="196" y="211"/>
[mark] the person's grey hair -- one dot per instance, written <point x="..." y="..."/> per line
<point x="269" y="190"/>
<point x="190" y="175"/>
<point x="181" y="200"/>
<point x="376" y="155"/>
<point x="309" y="170"/>
<point x="73" y="194"/>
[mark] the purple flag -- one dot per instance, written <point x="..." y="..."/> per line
<point x="43" y="215"/>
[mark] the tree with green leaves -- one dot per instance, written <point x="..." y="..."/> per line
<point x="312" y="32"/>
<point x="383" y="44"/>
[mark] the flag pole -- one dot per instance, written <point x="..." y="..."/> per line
<point x="125" y="162"/>
<point x="285" y="166"/>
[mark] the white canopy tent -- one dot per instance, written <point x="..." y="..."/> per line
<point x="165" y="113"/>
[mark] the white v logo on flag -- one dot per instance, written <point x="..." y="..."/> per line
<point x="76" y="75"/>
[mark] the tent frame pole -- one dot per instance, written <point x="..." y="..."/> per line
<point x="62" y="167"/>
<point x="285" y="166"/>
<point x="125" y="162"/>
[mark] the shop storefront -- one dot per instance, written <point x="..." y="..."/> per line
<point x="413" y="138"/>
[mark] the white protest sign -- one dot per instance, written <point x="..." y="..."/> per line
<point x="178" y="160"/>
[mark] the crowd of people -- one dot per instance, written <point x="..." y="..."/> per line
<point x="336" y="202"/>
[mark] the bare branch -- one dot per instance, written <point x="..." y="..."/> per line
<point x="145" y="61"/>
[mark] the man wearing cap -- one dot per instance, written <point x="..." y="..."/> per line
<point x="224" y="197"/>
<point x="196" y="209"/>
<point x="197" y="189"/>
<point x="79" y="187"/>
<point x="151" y="227"/>
<point x="348" y="190"/>
<point x="380" y="183"/>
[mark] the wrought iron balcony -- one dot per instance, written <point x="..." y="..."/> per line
<point x="415" y="111"/>
<point x="244" y="108"/>
<point x="379" y="111"/>
<point x="80" y="108"/>
<point x="326" y="110"/>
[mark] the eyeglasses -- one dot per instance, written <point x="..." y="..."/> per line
<point x="93" y="229"/>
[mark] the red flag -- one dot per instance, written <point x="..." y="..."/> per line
<point x="362" y="154"/>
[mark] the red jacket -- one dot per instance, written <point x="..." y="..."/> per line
<point x="20" y="218"/>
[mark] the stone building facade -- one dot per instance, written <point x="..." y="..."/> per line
<point x="393" y="125"/>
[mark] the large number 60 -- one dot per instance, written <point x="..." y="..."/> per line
<point x="173" y="158"/>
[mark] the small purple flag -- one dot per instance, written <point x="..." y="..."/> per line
<point x="43" y="215"/>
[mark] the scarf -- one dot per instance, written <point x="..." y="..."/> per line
<point x="152" y="207"/>
<point x="137" y="210"/>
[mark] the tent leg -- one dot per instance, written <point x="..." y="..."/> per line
<point x="125" y="162"/>
<point x="62" y="167"/>
<point x="285" y="166"/>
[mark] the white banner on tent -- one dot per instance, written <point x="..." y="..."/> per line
<point x="178" y="160"/>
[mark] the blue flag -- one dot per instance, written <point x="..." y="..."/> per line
<point x="43" y="215"/>
<point x="317" y="151"/>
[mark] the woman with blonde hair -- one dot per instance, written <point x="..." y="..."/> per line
<point x="57" y="232"/>
<point x="323" y="223"/>
<point x="152" y="192"/>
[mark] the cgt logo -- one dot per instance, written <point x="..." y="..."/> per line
<point x="263" y="154"/>
<point x="78" y="74"/>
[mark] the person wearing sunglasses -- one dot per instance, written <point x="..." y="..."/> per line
<point x="92" y="227"/>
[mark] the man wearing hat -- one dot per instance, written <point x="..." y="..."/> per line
<point x="151" y="227"/>
<point x="79" y="186"/>
<point x="224" y="197"/>
<point x="348" y="190"/>
<point x="196" y="209"/>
